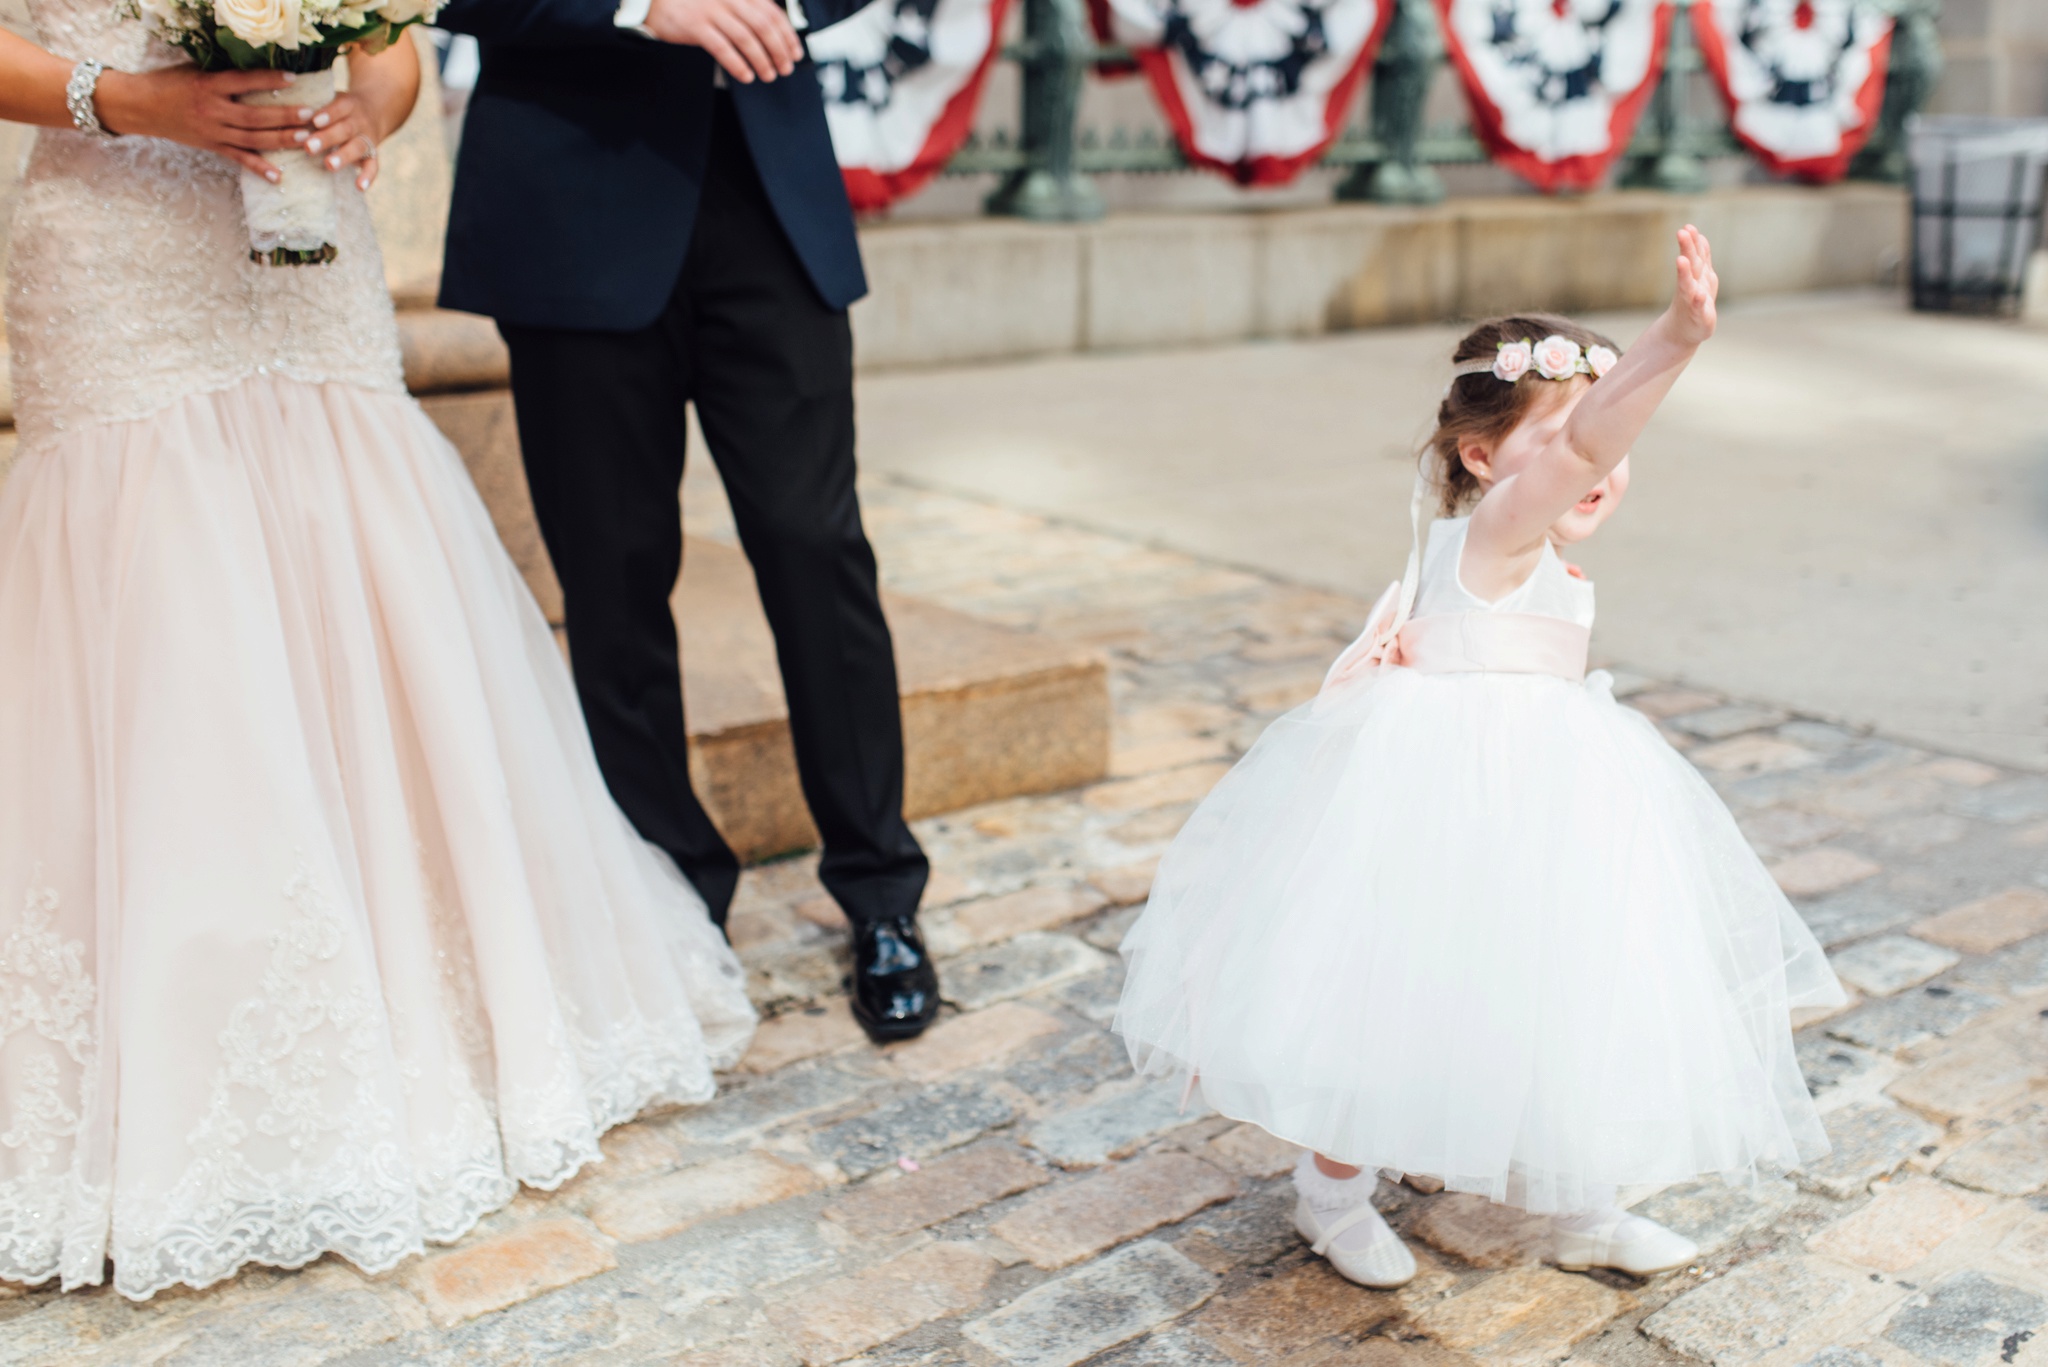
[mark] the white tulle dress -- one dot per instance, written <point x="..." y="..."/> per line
<point x="319" y="931"/>
<point x="1476" y="920"/>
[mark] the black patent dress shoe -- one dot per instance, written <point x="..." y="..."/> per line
<point x="895" y="988"/>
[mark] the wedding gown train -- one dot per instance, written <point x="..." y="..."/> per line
<point x="319" y="931"/>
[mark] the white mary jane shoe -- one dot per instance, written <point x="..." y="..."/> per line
<point x="1383" y="1264"/>
<point x="1627" y="1243"/>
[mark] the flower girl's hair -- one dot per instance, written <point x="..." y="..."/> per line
<point x="1478" y="407"/>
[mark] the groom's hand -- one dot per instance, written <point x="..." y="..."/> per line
<point x="749" y="38"/>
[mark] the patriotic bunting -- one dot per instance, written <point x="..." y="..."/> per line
<point x="1556" y="86"/>
<point x="902" y="79"/>
<point x="1255" y="89"/>
<point x="1804" y="79"/>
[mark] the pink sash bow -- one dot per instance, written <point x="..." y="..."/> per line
<point x="1495" y="642"/>
<point x="1456" y="642"/>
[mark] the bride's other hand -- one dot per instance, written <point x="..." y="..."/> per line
<point x="749" y="38"/>
<point x="199" y="109"/>
<point x="179" y="104"/>
<point x="348" y="132"/>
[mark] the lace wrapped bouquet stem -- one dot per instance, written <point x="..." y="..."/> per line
<point x="292" y="220"/>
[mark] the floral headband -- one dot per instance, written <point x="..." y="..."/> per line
<point x="1554" y="358"/>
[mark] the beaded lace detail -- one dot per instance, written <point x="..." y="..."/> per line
<point x="129" y="279"/>
<point x="302" y="1147"/>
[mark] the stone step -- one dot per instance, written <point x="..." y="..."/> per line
<point x="988" y="711"/>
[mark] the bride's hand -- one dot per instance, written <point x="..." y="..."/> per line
<point x="383" y="86"/>
<point x="344" y="134"/>
<point x="184" y="104"/>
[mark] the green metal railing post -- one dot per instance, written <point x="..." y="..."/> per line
<point x="1909" y="79"/>
<point x="1055" y="53"/>
<point x="1675" y="165"/>
<point x="1401" y="77"/>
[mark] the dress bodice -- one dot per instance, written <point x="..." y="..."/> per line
<point x="1549" y="591"/>
<point x="129" y="279"/>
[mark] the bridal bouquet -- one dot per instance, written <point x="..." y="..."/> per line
<point x="293" y="221"/>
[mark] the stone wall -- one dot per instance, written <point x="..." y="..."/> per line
<point x="986" y="289"/>
<point x="1995" y="58"/>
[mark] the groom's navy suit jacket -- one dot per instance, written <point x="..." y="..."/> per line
<point x="582" y="163"/>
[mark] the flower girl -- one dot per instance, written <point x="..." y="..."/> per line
<point x="1464" y="916"/>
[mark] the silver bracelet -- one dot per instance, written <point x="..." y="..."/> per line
<point x="78" y="93"/>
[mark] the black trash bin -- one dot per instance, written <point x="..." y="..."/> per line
<point x="1976" y="209"/>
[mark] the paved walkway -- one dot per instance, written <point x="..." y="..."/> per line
<point x="1843" y="507"/>
<point x="1001" y="1194"/>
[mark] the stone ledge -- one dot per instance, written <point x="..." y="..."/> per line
<point x="988" y="711"/>
<point x="984" y="290"/>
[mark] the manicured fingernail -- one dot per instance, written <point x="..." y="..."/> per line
<point x="321" y="120"/>
<point x="305" y="114"/>
<point x="334" y="163"/>
<point x="312" y="144"/>
<point x="300" y="136"/>
<point x="270" y="176"/>
<point x="289" y="77"/>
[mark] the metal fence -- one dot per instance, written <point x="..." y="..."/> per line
<point x="1048" y="163"/>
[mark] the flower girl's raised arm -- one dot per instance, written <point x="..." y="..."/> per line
<point x="1584" y="447"/>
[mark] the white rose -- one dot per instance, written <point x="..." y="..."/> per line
<point x="260" y="22"/>
<point x="1600" y="360"/>
<point x="1557" y="358"/>
<point x="405" y="11"/>
<point x="1511" y="363"/>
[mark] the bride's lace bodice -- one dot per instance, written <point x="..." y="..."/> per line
<point x="130" y="283"/>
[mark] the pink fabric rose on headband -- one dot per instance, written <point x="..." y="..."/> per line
<point x="1557" y="358"/>
<point x="1600" y="360"/>
<point x="1513" y="361"/>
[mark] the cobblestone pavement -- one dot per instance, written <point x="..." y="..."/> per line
<point x="1001" y="1193"/>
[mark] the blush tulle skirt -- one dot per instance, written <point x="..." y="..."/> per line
<point x="319" y="931"/>
<point x="1485" y="927"/>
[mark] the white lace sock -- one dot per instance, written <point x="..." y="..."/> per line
<point x="1332" y="1196"/>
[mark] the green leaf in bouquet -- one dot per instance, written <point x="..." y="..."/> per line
<point x="243" y="55"/>
<point x="371" y="39"/>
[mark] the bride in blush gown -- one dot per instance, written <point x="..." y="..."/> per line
<point x="319" y="932"/>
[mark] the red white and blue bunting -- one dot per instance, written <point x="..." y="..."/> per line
<point x="1255" y="89"/>
<point x="902" y="79"/>
<point x="1556" y="86"/>
<point x="1804" y="79"/>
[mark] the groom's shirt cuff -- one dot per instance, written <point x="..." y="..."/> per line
<point x="632" y="14"/>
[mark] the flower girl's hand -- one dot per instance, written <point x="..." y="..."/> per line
<point x="749" y="38"/>
<point x="1692" y="303"/>
<point x="183" y="104"/>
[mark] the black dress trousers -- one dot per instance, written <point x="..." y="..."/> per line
<point x="601" y="423"/>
